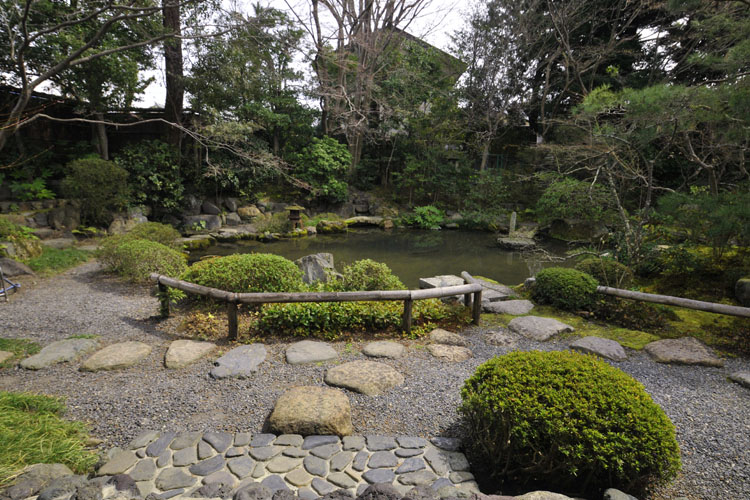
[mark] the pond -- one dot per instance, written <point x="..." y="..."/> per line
<point x="411" y="254"/>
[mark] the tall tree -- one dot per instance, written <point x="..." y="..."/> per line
<point x="173" y="67"/>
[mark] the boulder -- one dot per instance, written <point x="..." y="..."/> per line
<point x="34" y="479"/>
<point x="312" y="411"/>
<point x="240" y="362"/>
<point x="604" y="348"/>
<point x="516" y="243"/>
<point x="742" y="378"/>
<point x="513" y="307"/>
<point x="12" y="268"/>
<point x="210" y="208"/>
<point x="232" y="219"/>
<point x="59" y="352"/>
<point x="367" y="377"/>
<point x="387" y="224"/>
<point x="362" y="220"/>
<point x="65" y="217"/>
<point x="452" y="353"/>
<point x="182" y="353"/>
<point x="384" y="349"/>
<point x="248" y="212"/>
<point x="330" y="227"/>
<point x="309" y="351"/>
<point x="122" y="224"/>
<point x="440" y="336"/>
<point x="317" y="267"/>
<point x="231" y="204"/>
<point x="191" y="205"/>
<point x="543" y="495"/>
<point x="742" y="291"/>
<point x="196" y="242"/>
<point x="538" y="328"/>
<point x="684" y="351"/>
<point x="116" y="356"/>
<point x="576" y="230"/>
<point x="201" y="222"/>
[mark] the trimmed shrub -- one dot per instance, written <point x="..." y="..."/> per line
<point x="136" y="259"/>
<point x="155" y="231"/>
<point x="368" y="275"/>
<point x="606" y="271"/>
<point x="571" y="420"/>
<point x="246" y="273"/>
<point x="564" y="288"/>
<point x="569" y="198"/>
<point x="101" y="186"/>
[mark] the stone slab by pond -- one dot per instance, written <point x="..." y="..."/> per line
<point x="59" y="352"/>
<point x="384" y="349"/>
<point x="116" y="356"/>
<point x="5" y="356"/>
<point x="452" y="353"/>
<point x="493" y="292"/>
<point x="182" y="353"/>
<point x="440" y="336"/>
<point x="367" y="377"/>
<point x="309" y="351"/>
<point x="742" y="378"/>
<point x="684" y="351"/>
<point x="441" y="281"/>
<point x="312" y="410"/>
<point x="514" y="307"/>
<point x="240" y="362"/>
<point x="604" y="348"/>
<point x="538" y="328"/>
<point x="516" y="243"/>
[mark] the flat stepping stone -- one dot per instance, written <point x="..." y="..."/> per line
<point x="502" y="338"/>
<point x="495" y="291"/>
<point x="312" y="410"/>
<point x="240" y="362"/>
<point x="538" y="328"/>
<point x="116" y="356"/>
<point x="5" y="356"/>
<point x="309" y="351"/>
<point x="742" y="378"/>
<point x="182" y="353"/>
<point x="441" y="281"/>
<point x="440" y="336"/>
<point x="384" y="349"/>
<point x="452" y="353"/>
<point x="604" y="348"/>
<point x="514" y="307"/>
<point x="61" y="351"/>
<point x="684" y="351"/>
<point x="367" y="377"/>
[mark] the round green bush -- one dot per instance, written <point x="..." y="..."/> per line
<point x="368" y="275"/>
<point x="607" y="271"/>
<point x="100" y="185"/>
<point x="564" y="288"/>
<point x="246" y="273"/>
<point x="136" y="259"/>
<point x="565" y="419"/>
<point x="155" y="231"/>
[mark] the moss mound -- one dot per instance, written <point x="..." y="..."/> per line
<point x="607" y="271"/>
<point x="564" y="288"/>
<point x="247" y="273"/>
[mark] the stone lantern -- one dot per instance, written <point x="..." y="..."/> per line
<point x="295" y="216"/>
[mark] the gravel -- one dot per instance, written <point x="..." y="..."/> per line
<point x="712" y="414"/>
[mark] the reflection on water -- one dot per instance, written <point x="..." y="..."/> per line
<point x="410" y="254"/>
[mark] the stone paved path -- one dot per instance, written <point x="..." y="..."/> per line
<point x="202" y="464"/>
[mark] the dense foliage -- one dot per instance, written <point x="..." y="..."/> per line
<point x="607" y="271"/>
<point x="323" y="165"/>
<point x="366" y="274"/>
<point x="568" y="198"/>
<point x="565" y="419"/>
<point x="101" y="186"/>
<point x="155" y="231"/>
<point x="135" y="259"/>
<point x="246" y="273"/>
<point x="564" y="288"/>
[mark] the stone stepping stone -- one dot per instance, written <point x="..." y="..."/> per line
<point x="309" y="351"/>
<point x="502" y="338"/>
<point x="742" y="378"/>
<point x="604" y="348"/>
<point x="116" y="356"/>
<point x="684" y="351"/>
<point x="384" y="349"/>
<point x="538" y="328"/>
<point x="5" y="356"/>
<point x="493" y="292"/>
<point x="59" y="352"/>
<point x="514" y="307"/>
<point x="182" y="353"/>
<point x="367" y="377"/>
<point x="120" y="461"/>
<point x="440" y="336"/>
<point x="452" y="353"/>
<point x="240" y="362"/>
<point x="312" y="410"/>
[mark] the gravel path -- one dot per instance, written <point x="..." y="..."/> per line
<point x="712" y="415"/>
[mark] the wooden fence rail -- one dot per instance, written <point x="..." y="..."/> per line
<point x="472" y="292"/>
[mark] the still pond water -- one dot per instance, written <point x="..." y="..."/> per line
<point x="410" y="254"/>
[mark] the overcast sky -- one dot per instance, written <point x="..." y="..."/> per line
<point x="437" y="22"/>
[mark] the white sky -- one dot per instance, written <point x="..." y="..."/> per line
<point x="437" y="22"/>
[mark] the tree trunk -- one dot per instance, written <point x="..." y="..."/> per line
<point x="485" y="156"/>
<point x="11" y="124"/>
<point x="174" y="72"/>
<point x="100" y="135"/>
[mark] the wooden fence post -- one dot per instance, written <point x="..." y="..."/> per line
<point x="406" y="319"/>
<point x="232" y="317"/>
<point x="163" y="300"/>
<point x="477" y="309"/>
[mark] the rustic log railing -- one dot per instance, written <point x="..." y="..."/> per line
<point x="472" y="292"/>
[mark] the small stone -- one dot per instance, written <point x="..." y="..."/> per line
<point x="170" y="494"/>
<point x="312" y="410"/>
<point x="451" y="353"/>
<point x="294" y="452"/>
<point x="326" y="451"/>
<point x="241" y="467"/>
<point x="538" y="328"/>
<point x="145" y="487"/>
<point x="541" y="495"/>
<point x="457" y="461"/>
<point x="374" y="476"/>
<point x="440" y="336"/>
<point x="411" y="442"/>
<point x="163" y="459"/>
<point x="461" y="477"/>
<point x="441" y="483"/>
<point x="322" y="487"/>
<point x="305" y="493"/>
<point x="205" y="450"/>
<point x="260" y="470"/>
<point x="353" y="443"/>
<point x="118" y="464"/>
<point x="316" y="466"/>
<point x="206" y="467"/>
<point x="417" y="478"/>
<point x="371" y="378"/>
<point x="185" y="440"/>
<point x="220" y="477"/>
<point x="315" y="441"/>
<point x="240" y="362"/>
<point x="384" y="349"/>
<point x="144" y="470"/>
<point x="281" y="464"/>
<point x="604" y="348"/>
<point x="360" y="461"/>
<point x="614" y="494"/>
<point x="512" y="307"/>
<point x="234" y="451"/>
<point x="242" y="438"/>
<point x="171" y="478"/>
<point x="289" y="440"/>
<point x="116" y="356"/>
<point x="156" y="448"/>
<point x="408" y="452"/>
<point x="299" y="477"/>
<point x="252" y="491"/>
<point x="342" y="480"/>
<point x="185" y="456"/>
<point x="341" y="461"/>
<point x="219" y="440"/>
<point x="742" y="378"/>
<point x="381" y="443"/>
<point x="381" y="459"/>
<point x="446" y="443"/>
<point x="438" y="460"/>
<point x="274" y="483"/>
<point x="411" y="465"/>
<point x="264" y="452"/>
<point x="260" y="440"/>
<point x="143" y="439"/>
<point x="309" y="351"/>
<point x="686" y="351"/>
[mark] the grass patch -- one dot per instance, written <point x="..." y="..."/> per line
<point x="32" y="431"/>
<point x="56" y="260"/>
<point x="19" y="347"/>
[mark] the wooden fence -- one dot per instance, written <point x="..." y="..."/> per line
<point x="471" y="290"/>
